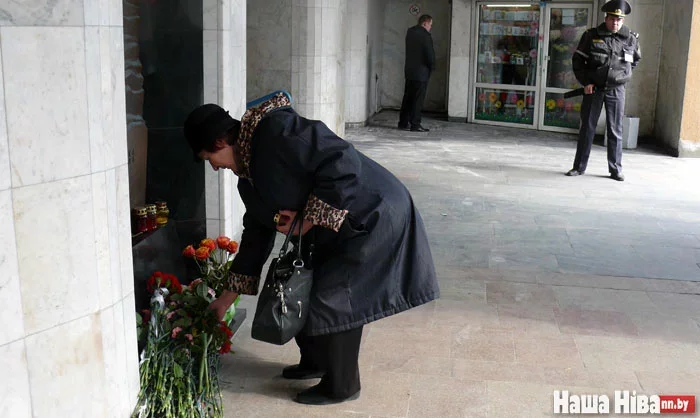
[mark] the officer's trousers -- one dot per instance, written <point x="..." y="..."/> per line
<point x="614" y="100"/>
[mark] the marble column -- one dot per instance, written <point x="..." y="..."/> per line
<point x="689" y="141"/>
<point x="317" y="61"/>
<point x="460" y="45"/>
<point x="224" y="84"/>
<point x="357" y="62"/>
<point x="68" y="340"/>
<point x="676" y="120"/>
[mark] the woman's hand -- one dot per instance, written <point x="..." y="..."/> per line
<point x="285" y="222"/>
<point x="221" y="305"/>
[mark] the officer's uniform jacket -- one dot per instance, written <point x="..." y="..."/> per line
<point x="606" y="59"/>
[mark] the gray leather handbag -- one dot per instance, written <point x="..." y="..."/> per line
<point x="283" y="304"/>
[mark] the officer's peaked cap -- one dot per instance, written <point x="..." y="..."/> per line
<point x="617" y="8"/>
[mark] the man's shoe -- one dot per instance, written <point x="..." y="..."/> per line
<point x="405" y="128"/>
<point x="314" y="396"/>
<point x="297" y="372"/>
<point x="617" y="176"/>
<point x="574" y="172"/>
<point x="419" y="129"/>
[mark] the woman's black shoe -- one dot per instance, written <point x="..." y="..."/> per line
<point x="314" y="396"/>
<point x="299" y="373"/>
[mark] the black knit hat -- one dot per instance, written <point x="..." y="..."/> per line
<point x="205" y="124"/>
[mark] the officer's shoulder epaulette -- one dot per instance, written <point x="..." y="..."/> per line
<point x="635" y="34"/>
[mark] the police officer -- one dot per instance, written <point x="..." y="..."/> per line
<point x="603" y="64"/>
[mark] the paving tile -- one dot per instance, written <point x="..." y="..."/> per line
<point x="603" y="299"/>
<point x="496" y="370"/>
<point x="429" y="342"/>
<point x="469" y="273"/>
<point x="659" y="326"/>
<point x="423" y="365"/>
<point x="670" y="382"/>
<point x="465" y="290"/>
<point x="476" y="343"/>
<point x="383" y="394"/>
<point x="565" y="377"/>
<point x="520" y="293"/>
<point x="459" y="314"/>
<point x="526" y="400"/>
<point x="529" y="320"/>
<point x="418" y="317"/>
<point x="584" y="322"/>
<point x="688" y="305"/>
<point x="560" y="350"/>
<point x="618" y="353"/>
<point x="447" y="397"/>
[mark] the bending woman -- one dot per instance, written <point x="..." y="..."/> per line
<point x="371" y="256"/>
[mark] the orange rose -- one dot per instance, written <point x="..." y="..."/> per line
<point x="189" y="252"/>
<point x="209" y="243"/>
<point x="202" y="253"/>
<point x="223" y="242"/>
<point x="232" y="247"/>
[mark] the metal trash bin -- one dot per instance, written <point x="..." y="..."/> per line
<point x="630" y="132"/>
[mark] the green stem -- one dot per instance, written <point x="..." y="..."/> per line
<point x="202" y="363"/>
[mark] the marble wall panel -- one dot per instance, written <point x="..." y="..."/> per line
<point x="126" y="263"/>
<point x="11" y="315"/>
<point x="130" y="347"/>
<point x="459" y="59"/>
<point x="46" y="103"/>
<point x="56" y="252"/>
<point x="67" y="367"/>
<point x="103" y="256"/>
<point x="15" y="398"/>
<point x="5" y="177"/>
<point x="672" y="71"/>
<point x="42" y="13"/>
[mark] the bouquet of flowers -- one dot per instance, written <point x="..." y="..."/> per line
<point x="183" y="340"/>
<point x="213" y="258"/>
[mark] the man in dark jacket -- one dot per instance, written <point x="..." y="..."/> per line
<point x="420" y="62"/>
<point x="603" y="64"/>
<point x="371" y="256"/>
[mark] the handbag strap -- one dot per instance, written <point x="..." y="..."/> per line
<point x="299" y="261"/>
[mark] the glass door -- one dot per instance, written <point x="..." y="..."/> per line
<point x="505" y="91"/>
<point x="564" y="25"/>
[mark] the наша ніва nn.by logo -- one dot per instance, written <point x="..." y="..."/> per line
<point x="623" y="402"/>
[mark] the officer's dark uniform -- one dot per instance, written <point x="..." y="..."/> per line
<point x="606" y="60"/>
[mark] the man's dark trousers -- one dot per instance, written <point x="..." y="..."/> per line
<point x="412" y="104"/>
<point x="591" y="107"/>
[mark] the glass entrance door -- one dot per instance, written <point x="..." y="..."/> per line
<point x="506" y="84"/>
<point x="564" y="25"/>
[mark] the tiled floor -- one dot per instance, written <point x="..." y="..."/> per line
<point x="548" y="283"/>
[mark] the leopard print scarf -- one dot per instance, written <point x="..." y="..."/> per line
<point x="249" y="122"/>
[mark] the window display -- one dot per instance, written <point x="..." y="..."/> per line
<point x="507" y="54"/>
<point x="561" y="112"/>
<point x="505" y="105"/>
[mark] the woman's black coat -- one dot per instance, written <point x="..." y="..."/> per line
<point x="376" y="264"/>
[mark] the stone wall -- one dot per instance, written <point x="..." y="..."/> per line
<point x="66" y="280"/>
